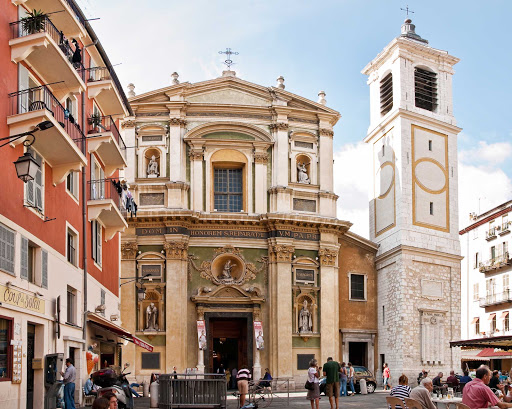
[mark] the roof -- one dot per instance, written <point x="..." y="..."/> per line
<point x="503" y="342"/>
<point x="492" y="352"/>
<point x="490" y="215"/>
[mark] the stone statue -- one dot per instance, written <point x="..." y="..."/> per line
<point x="302" y="173"/>
<point x="153" y="167"/>
<point x="151" y="318"/>
<point x="226" y="271"/>
<point x="305" y="319"/>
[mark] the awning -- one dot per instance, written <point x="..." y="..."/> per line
<point x="504" y="314"/>
<point x="503" y="342"/>
<point x="472" y="355"/>
<point x="475" y="320"/>
<point x="102" y="322"/>
<point x="491" y="316"/>
<point x="493" y="353"/>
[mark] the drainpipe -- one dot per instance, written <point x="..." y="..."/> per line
<point x="84" y="225"/>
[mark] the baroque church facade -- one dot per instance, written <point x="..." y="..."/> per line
<point x="236" y="226"/>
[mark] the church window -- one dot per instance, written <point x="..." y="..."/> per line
<point x="425" y="87"/>
<point x="228" y="190"/>
<point x="430" y="145"/>
<point x="431" y="208"/>
<point x="386" y="94"/>
<point x="357" y="290"/>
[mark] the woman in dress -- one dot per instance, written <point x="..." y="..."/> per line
<point x="314" y="394"/>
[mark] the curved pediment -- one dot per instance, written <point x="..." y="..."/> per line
<point x="228" y="294"/>
<point x="229" y="129"/>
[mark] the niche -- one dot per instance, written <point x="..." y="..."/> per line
<point x="303" y="166"/>
<point x="152" y="162"/>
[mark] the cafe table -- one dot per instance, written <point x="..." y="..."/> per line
<point x="444" y="403"/>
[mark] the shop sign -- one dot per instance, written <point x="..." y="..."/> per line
<point x="22" y="300"/>
<point x="258" y="333"/>
<point x="142" y="344"/>
<point x="201" y="334"/>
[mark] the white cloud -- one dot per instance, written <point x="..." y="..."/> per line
<point x="485" y="153"/>
<point x="352" y="178"/>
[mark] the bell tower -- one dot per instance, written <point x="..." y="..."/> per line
<point x="414" y="204"/>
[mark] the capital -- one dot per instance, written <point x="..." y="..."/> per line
<point x="261" y="157"/>
<point x="281" y="126"/>
<point x="327" y="257"/>
<point x="128" y="124"/>
<point x="129" y="250"/>
<point x="177" y="121"/>
<point x="196" y="154"/>
<point x="175" y="250"/>
<point x="280" y="253"/>
<point x="326" y="132"/>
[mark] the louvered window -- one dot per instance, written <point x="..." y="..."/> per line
<point x="34" y="188"/>
<point x="386" y="94"/>
<point x="96" y="242"/>
<point x="6" y="249"/>
<point x="425" y="87"/>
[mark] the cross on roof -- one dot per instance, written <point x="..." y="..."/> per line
<point x="229" y="62"/>
<point x="406" y="9"/>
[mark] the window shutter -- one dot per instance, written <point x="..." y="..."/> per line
<point x="425" y="87"/>
<point x="386" y="94"/>
<point x="30" y="192"/>
<point x="39" y="189"/>
<point x="7" y="249"/>
<point x="102" y="184"/>
<point x="98" y="242"/>
<point x="44" y="269"/>
<point x="24" y="259"/>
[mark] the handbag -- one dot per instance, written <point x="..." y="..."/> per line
<point x="309" y="385"/>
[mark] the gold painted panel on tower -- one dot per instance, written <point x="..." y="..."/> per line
<point x="430" y="182"/>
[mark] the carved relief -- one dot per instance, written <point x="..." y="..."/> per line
<point x="176" y="250"/>
<point x="281" y="254"/>
<point x="228" y="267"/>
<point x="326" y="132"/>
<point x="260" y="157"/>
<point x="129" y="250"/>
<point x="281" y="126"/>
<point x="328" y="257"/>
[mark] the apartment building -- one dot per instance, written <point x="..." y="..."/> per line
<point x="62" y="214"/>
<point x="486" y="295"/>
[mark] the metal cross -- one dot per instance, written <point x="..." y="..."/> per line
<point x="229" y="62"/>
<point x="406" y="9"/>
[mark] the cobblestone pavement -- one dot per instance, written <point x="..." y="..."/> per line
<point x="376" y="400"/>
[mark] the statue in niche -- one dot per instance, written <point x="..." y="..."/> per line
<point x="226" y="271"/>
<point x="153" y="167"/>
<point x="151" y="318"/>
<point x="302" y="173"/>
<point x="305" y="319"/>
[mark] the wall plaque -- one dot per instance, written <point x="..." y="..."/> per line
<point x="432" y="289"/>
<point x="304" y="205"/>
<point x="304" y="275"/>
<point x="303" y="360"/>
<point x="301" y="144"/>
<point x="151" y="199"/>
<point x="155" y="271"/>
<point x="152" y="138"/>
<point x="150" y="360"/>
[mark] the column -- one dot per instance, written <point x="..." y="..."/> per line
<point x="329" y="301"/>
<point x="176" y="302"/>
<point x="127" y="295"/>
<point x="260" y="177"/>
<point x="196" y="178"/>
<point x="256" y="369"/>
<point x="129" y="138"/>
<point x="281" y="252"/>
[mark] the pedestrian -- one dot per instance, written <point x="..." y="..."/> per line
<point x="68" y="379"/>
<point x="331" y="371"/>
<point x="100" y="403"/>
<point x="402" y="390"/>
<point x="350" y="381"/>
<point x="221" y="370"/>
<point x="243" y="376"/>
<point x="314" y="394"/>
<point x="174" y="372"/>
<point x="112" y="400"/>
<point x="89" y="387"/>
<point x="228" y="378"/>
<point x="386" y="375"/>
<point x="234" y="372"/>
<point x="343" y="380"/>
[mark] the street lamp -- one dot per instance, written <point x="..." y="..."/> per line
<point x="26" y="165"/>
<point x="139" y="285"/>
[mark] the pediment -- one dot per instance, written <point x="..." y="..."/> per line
<point x="230" y="96"/>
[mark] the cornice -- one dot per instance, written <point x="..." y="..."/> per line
<point x="453" y="258"/>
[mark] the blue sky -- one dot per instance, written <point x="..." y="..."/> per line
<point x="324" y="45"/>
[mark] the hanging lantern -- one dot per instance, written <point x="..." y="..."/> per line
<point x="26" y="167"/>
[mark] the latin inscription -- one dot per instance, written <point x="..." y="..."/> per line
<point x="304" y="275"/>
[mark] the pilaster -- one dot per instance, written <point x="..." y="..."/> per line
<point x="196" y="177"/>
<point x="176" y="147"/>
<point x="326" y="157"/>
<point x="176" y="253"/>
<point x="260" y="188"/>
<point x="280" y="130"/>
<point x="329" y="301"/>
<point x="128" y="305"/>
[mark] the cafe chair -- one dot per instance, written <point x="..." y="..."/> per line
<point x="394" y="402"/>
<point x="461" y="406"/>
<point x="412" y="404"/>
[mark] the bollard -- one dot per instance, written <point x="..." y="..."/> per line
<point x="362" y="387"/>
<point x="145" y="389"/>
<point x="153" y="393"/>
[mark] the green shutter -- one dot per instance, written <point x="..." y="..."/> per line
<point x="44" y="269"/>
<point x="24" y="259"/>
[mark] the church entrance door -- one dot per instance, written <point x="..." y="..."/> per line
<point x="228" y="341"/>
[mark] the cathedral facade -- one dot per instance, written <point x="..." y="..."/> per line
<point x="235" y="243"/>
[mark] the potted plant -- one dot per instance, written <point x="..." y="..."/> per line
<point x="94" y="121"/>
<point x="34" y="22"/>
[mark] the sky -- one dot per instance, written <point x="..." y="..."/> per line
<point x="323" y="45"/>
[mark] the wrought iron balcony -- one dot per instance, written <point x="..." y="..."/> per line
<point x="490" y="234"/>
<point x="495" y="263"/>
<point x="107" y="203"/>
<point x="505" y="228"/>
<point x="104" y="139"/>
<point x="46" y="49"/>
<point x="495" y="299"/>
<point x="63" y="145"/>
<point x="102" y="87"/>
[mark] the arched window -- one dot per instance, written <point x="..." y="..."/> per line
<point x="386" y="94"/>
<point x="425" y="89"/>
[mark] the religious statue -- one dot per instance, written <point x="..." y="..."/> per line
<point x="202" y="340"/>
<point x="151" y="318"/>
<point x="153" y="167"/>
<point x="305" y="319"/>
<point x="226" y="271"/>
<point x="302" y="173"/>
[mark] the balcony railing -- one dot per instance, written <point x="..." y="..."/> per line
<point x="18" y="30"/>
<point x="495" y="263"/>
<point x="98" y="124"/>
<point x="490" y="234"/>
<point x="98" y="74"/>
<point x="495" y="299"/>
<point x="505" y="228"/>
<point x="102" y="189"/>
<point x="37" y="98"/>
